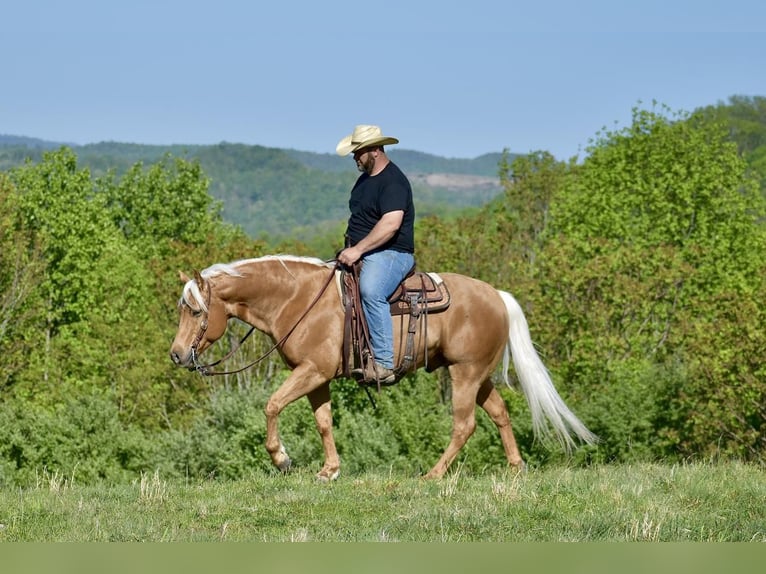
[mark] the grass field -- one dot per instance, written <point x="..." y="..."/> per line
<point x="645" y="502"/>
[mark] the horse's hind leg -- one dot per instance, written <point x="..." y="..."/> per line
<point x="464" y="391"/>
<point x="320" y="403"/>
<point x="491" y="401"/>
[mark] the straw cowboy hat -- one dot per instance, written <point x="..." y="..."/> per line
<point x="362" y="137"/>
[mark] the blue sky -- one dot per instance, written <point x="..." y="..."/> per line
<point x="452" y="78"/>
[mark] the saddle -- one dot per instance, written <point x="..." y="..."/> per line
<point x="417" y="295"/>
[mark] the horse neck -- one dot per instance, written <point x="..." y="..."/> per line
<point x="272" y="292"/>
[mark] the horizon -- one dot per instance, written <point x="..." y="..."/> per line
<point x="54" y="144"/>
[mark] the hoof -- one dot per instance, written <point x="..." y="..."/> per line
<point x="326" y="476"/>
<point x="281" y="460"/>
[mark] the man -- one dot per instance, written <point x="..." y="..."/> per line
<point x="381" y="233"/>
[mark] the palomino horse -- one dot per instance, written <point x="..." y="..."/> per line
<point x="481" y="326"/>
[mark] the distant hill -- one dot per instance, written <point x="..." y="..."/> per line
<point x="408" y="160"/>
<point x="285" y="193"/>
<point x="31" y="143"/>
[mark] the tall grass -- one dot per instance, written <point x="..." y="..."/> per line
<point x="646" y="502"/>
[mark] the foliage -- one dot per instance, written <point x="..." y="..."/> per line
<point x="499" y="242"/>
<point x="720" y="411"/>
<point x="20" y="275"/>
<point x="745" y="118"/>
<point x="79" y="438"/>
<point x="98" y="318"/>
<point x="162" y="204"/>
<point x="259" y="188"/>
<point x="84" y="269"/>
<point x="57" y="206"/>
<point x="657" y="223"/>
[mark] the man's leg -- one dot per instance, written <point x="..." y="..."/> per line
<point x="381" y="273"/>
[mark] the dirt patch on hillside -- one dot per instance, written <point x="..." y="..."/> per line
<point x="456" y="181"/>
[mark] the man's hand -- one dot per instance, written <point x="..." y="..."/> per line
<point x="350" y="255"/>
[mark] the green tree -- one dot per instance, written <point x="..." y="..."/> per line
<point x="530" y="183"/>
<point x="659" y="221"/>
<point x="745" y="118"/>
<point x="91" y="282"/>
<point x="164" y="203"/>
<point x="20" y="274"/>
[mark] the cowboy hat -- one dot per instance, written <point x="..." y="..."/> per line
<point x="363" y="136"/>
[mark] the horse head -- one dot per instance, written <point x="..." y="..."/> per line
<point x="202" y="321"/>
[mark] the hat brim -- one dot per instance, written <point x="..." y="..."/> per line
<point x="346" y="146"/>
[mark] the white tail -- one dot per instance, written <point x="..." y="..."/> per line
<point x="544" y="401"/>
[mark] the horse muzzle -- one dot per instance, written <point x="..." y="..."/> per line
<point x="182" y="360"/>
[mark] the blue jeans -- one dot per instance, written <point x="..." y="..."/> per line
<point x="381" y="272"/>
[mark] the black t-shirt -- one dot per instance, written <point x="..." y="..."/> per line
<point x="373" y="196"/>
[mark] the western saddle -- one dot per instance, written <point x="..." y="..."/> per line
<point x="417" y="295"/>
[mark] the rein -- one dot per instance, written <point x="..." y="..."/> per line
<point x="205" y="369"/>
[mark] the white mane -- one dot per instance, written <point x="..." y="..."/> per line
<point x="192" y="297"/>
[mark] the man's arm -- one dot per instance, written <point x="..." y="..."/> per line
<point x="384" y="230"/>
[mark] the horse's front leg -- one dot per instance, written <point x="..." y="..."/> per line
<point x="320" y="403"/>
<point x="302" y="381"/>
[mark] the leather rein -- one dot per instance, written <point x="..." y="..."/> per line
<point x="205" y="369"/>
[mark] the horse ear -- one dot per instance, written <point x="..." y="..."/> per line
<point x="198" y="278"/>
<point x="184" y="277"/>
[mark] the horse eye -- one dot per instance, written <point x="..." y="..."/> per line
<point x="195" y="312"/>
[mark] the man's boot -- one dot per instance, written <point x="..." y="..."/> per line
<point x="375" y="373"/>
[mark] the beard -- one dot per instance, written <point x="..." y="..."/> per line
<point x="365" y="163"/>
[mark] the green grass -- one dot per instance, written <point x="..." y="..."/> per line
<point x="647" y="502"/>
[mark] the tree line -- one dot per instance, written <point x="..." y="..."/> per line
<point x="259" y="187"/>
<point x="640" y="267"/>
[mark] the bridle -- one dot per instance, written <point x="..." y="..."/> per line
<point x="201" y="331"/>
<point x="205" y="369"/>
